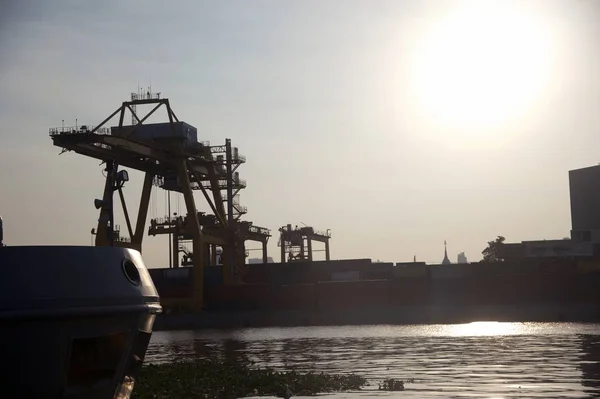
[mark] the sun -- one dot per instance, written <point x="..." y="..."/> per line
<point x="481" y="66"/>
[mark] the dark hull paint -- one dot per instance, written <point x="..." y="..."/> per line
<point x="374" y="316"/>
<point x="75" y="322"/>
<point x="553" y="292"/>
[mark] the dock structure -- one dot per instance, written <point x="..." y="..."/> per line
<point x="171" y="158"/>
<point x="296" y="243"/>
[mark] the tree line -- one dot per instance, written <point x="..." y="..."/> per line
<point x="493" y="251"/>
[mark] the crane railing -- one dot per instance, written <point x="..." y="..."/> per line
<point x="55" y="131"/>
<point x="259" y="230"/>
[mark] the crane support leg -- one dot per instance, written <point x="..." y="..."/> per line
<point x="104" y="232"/>
<point x="175" y="239"/>
<point x="138" y="235"/>
<point x="125" y="212"/>
<point x="198" y="248"/>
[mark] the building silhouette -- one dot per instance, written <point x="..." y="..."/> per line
<point x="446" y="261"/>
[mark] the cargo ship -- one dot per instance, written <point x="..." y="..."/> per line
<point x="210" y="284"/>
<point x="363" y="292"/>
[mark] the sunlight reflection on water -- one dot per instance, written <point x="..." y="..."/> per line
<point x="481" y="359"/>
<point x="486" y="328"/>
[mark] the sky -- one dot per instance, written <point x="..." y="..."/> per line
<point x="395" y="124"/>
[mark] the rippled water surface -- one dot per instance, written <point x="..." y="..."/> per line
<point x="491" y="360"/>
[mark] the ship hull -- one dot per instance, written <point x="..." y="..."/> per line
<point x="564" y="290"/>
<point x="407" y="315"/>
<point x="75" y="322"/>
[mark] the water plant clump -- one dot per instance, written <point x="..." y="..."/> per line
<point x="226" y="379"/>
<point x="391" y="384"/>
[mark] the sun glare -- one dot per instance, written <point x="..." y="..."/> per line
<point x="484" y="328"/>
<point x="481" y="66"/>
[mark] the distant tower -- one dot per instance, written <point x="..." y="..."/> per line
<point x="446" y="261"/>
<point x="415" y="259"/>
<point x="462" y="258"/>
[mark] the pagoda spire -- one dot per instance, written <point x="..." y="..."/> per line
<point x="446" y="261"/>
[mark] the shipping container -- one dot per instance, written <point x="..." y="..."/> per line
<point x="172" y="276"/>
<point x="291" y="276"/>
<point x="294" y="266"/>
<point x="322" y="270"/>
<point x="175" y="291"/>
<point x="293" y="297"/>
<point x="345" y="276"/>
<point x="485" y="268"/>
<point x="346" y="265"/>
<point x="172" y="285"/>
<point x="262" y="267"/>
<point x="380" y="266"/>
<point x="177" y="272"/>
<point x="255" y="277"/>
<point x="376" y="274"/>
<point x="322" y="275"/>
<point x="511" y="267"/>
<point x="522" y="266"/>
<point x="400" y="264"/>
<point x="352" y="294"/>
<point x="411" y="271"/>
<point x="452" y="271"/>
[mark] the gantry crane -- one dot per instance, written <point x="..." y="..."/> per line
<point x="249" y="232"/>
<point x="178" y="228"/>
<point x="297" y="243"/>
<point x="170" y="156"/>
<point x="227" y="159"/>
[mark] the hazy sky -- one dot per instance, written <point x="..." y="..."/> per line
<point x="396" y="124"/>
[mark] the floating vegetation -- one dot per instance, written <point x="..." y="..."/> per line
<point x="391" y="384"/>
<point x="225" y="379"/>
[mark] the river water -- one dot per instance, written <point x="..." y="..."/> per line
<point x="482" y="359"/>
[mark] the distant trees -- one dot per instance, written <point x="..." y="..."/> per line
<point x="492" y="252"/>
